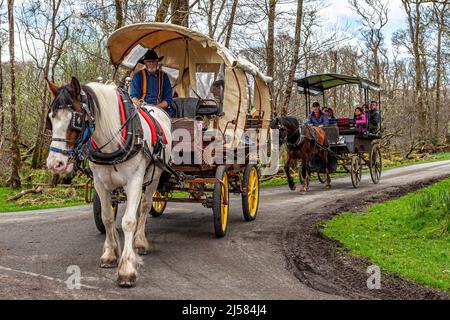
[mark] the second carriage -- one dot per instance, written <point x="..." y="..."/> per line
<point x="350" y="148"/>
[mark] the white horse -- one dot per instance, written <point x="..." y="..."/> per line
<point x="130" y="174"/>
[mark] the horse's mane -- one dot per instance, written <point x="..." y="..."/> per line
<point x="64" y="98"/>
<point x="107" y="120"/>
<point x="289" y="122"/>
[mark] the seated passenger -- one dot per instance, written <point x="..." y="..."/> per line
<point x="217" y="89"/>
<point x="317" y="118"/>
<point x="365" y="108"/>
<point x="151" y="85"/>
<point x="374" y="117"/>
<point x="360" y="120"/>
<point x="330" y="116"/>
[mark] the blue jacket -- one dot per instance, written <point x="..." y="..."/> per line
<point x="332" y="121"/>
<point x="323" y="120"/>
<point x="152" y="84"/>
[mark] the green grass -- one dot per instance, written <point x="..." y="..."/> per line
<point x="409" y="236"/>
<point x="51" y="198"/>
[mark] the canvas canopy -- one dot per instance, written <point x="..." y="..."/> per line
<point x="193" y="61"/>
<point x="317" y="84"/>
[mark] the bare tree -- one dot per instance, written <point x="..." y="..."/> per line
<point x="413" y="11"/>
<point x="231" y="23"/>
<point x="295" y="58"/>
<point x="162" y="11"/>
<point x="271" y="38"/>
<point x="374" y="15"/>
<point x="119" y="14"/>
<point x="14" y="180"/>
<point x="2" y="107"/>
<point x="47" y="26"/>
<point x="180" y="12"/>
<point x="440" y="12"/>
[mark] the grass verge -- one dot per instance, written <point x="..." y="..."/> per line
<point x="50" y="198"/>
<point x="409" y="236"/>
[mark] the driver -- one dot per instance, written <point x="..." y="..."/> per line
<point x="151" y="85"/>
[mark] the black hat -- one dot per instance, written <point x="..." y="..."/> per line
<point x="150" y="55"/>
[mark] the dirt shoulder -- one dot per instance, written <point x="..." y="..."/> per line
<point x="323" y="264"/>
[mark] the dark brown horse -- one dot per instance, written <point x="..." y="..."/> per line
<point x="301" y="145"/>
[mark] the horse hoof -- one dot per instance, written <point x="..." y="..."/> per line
<point x="292" y="187"/>
<point x="110" y="264"/>
<point x="142" y="251"/>
<point x="126" y="281"/>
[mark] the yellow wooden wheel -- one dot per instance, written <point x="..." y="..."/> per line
<point x="158" y="207"/>
<point x="221" y="202"/>
<point x="250" y="194"/>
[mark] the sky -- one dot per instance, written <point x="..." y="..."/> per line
<point x="339" y="13"/>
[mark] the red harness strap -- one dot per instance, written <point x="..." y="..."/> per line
<point x="152" y="127"/>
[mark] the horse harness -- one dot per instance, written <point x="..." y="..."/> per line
<point x="302" y="136"/>
<point x="133" y="142"/>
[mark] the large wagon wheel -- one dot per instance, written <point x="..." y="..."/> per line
<point x="375" y="164"/>
<point x="97" y="208"/>
<point x="250" y="194"/>
<point x="158" y="207"/>
<point x="221" y="202"/>
<point x="356" y="171"/>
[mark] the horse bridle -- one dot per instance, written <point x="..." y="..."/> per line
<point x="301" y="135"/>
<point x="82" y="122"/>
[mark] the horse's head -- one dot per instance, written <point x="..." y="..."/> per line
<point x="66" y="120"/>
<point x="278" y="124"/>
<point x="288" y="128"/>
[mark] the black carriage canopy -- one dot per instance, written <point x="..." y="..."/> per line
<point x="316" y="85"/>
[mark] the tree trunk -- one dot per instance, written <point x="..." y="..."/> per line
<point x="334" y="59"/>
<point x="2" y="107"/>
<point x="37" y="158"/>
<point x="14" y="180"/>
<point x="231" y="23"/>
<point x="295" y="58"/>
<point x="180" y="12"/>
<point x="270" y="53"/>
<point x="440" y="17"/>
<point x="376" y="61"/>
<point x="414" y="34"/>
<point x="161" y="12"/>
<point x="119" y="14"/>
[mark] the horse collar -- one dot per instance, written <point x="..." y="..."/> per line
<point x="301" y="136"/>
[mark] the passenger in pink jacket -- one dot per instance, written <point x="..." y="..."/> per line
<point x="360" y="120"/>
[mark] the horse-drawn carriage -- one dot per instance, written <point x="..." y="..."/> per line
<point x="212" y="135"/>
<point x="349" y="146"/>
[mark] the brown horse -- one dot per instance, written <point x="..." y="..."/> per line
<point x="301" y="145"/>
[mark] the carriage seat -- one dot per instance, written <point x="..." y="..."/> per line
<point x="347" y="126"/>
<point x="332" y="133"/>
<point x="193" y="107"/>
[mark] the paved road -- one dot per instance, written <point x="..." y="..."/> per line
<point x="186" y="261"/>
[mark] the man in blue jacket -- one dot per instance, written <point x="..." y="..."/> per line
<point x="317" y="118"/>
<point x="151" y="85"/>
